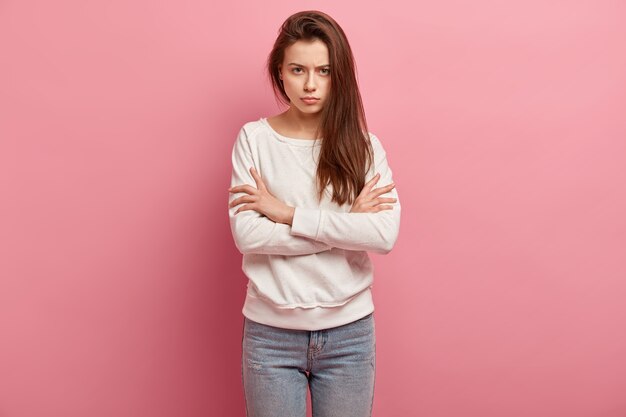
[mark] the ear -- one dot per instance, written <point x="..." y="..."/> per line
<point x="280" y="68"/>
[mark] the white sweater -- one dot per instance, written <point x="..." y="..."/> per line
<point x="316" y="273"/>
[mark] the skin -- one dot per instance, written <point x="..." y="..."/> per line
<point x="310" y="77"/>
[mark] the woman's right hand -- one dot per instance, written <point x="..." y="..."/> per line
<point x="369" y="200"/>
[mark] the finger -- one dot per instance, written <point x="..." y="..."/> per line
<point x="374" y="209"/>
<point x="370" y="184"/>
<point x="373" y="180"/>
<point x="380" y="200"/>
<point x="243" y="189"/>
<point x="241" y="200"/>
<point x="382" y="190"/>
<point x="386" y="200"/>
<point x="257" y="178"/>
<point x="246" y="207"/>
<point x="377" y="201"/>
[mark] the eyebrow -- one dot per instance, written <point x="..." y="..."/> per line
<point x="300" y="65"/>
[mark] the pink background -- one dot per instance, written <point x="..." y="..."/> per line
<point x="504" y="122"/>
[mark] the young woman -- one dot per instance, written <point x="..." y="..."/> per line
<point x="305" y="207"/>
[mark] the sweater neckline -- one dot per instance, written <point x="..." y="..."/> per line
<point x="292" y="141"/>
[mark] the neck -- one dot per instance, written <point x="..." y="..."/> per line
<point x="302" y="121"/>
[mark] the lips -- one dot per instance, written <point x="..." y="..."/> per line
<point x="310" y="100"/>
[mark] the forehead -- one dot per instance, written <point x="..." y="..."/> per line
<point x="306" y="52"/>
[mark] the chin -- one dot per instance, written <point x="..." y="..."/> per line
<point x="309" y="110"/>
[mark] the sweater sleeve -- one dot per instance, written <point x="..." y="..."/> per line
<point x="252" y="231"/>
<point x="376" y="232"/>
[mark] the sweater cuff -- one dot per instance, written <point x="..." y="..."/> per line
<point x="306" y="222"/>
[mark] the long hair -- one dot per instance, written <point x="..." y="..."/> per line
<point x="346" y="152"/>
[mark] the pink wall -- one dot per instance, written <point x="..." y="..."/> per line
<point x="121" y="289"/>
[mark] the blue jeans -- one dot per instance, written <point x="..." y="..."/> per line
<point x="338" y="364"/>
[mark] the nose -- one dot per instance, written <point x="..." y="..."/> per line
<point x="310" y="84"/>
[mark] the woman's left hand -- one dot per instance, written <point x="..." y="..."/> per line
<point x="262" y="201"/>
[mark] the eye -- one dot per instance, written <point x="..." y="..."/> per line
<point x="296" y="69"/>
<point x="325" y="71"/>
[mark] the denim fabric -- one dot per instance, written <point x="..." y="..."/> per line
<point x="337" y="364"/>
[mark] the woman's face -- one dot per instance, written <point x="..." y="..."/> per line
<point x="305" y="72"/>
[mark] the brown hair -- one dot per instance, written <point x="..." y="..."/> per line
<point x="346" y="153"/>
